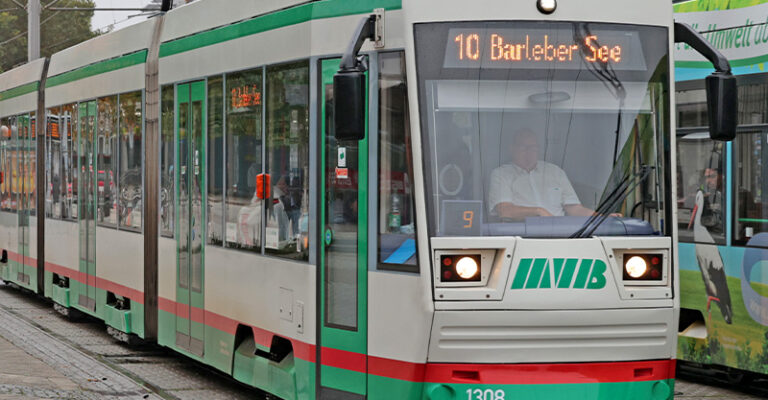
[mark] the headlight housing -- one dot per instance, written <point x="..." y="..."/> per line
<point x="460" y="268"/>
<point x="643" y="267"/>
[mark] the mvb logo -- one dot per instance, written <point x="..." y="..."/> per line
<point x="561" y="273"/>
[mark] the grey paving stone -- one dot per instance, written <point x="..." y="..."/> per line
<point x="131" y="372"/>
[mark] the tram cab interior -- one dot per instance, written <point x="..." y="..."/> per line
<point x="578" y="136"/>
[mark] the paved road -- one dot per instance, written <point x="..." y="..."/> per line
<point x="45" y="356"/>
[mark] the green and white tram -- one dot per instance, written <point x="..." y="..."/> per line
<point x="377" y="199"/>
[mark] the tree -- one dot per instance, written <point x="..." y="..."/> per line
<point x="59" y="30"/>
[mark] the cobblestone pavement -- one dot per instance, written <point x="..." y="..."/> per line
<point x="45" y="356"/>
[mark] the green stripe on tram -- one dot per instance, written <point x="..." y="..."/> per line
<point x="98" y="68"/>
<point x="275" y="20"/>
<point x="287" y="17"/>
<point x="638" y="390"/>
<point x="19" y="91"/>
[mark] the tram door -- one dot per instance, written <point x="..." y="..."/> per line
<point x="24" y="146"/>
<point x="87" y="202"/>
<point x="190" y="223"/>
<point x="343" y="263"/>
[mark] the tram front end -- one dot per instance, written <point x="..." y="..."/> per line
<point x="547" y="163"/>
<point x="546" y="141"/>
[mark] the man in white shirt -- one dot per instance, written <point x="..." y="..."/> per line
<point x="529" y="187"/>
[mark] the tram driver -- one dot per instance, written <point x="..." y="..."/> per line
<point x="529" y="187"/>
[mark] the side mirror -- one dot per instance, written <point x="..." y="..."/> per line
<point x="349" y="105"/>
<point x="722" y="105"/>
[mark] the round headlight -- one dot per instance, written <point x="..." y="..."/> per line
<point x="467" y="267"/>
<point x="636" y="267"/>
<point x="546" y="6"/>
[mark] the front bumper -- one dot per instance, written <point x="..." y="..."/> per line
<point x="637" y="380"/>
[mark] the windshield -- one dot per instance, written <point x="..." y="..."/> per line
<point x="539" y="129"/>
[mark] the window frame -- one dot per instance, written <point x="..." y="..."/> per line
<point x="172" y="192"/>
<point x="120" y="225"/>
<point x="261" y="70"/>
<point x="311" y="78"/>
<point x="115" y="157"/>
<point x="375" y="217"/>
<point x="761" y="129"/>
<point x="726" y="167"/>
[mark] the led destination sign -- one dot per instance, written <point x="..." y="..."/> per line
<point x="537" y="48"/>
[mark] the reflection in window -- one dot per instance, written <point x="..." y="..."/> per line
<point x="49" y="150"/>
<point x="751" y="195"/>
<point x="107" y="161"/>
<point x="700" y="179"/>
<point x="167" y="161"/>
<point x="288" y="160"/>
<point x="29" y="159"/>
<point x="68" y="124"/>
<point x="397" y="239"/>
<point x="245" y="199"/>
<point x="215" y="166"/>
<point x="14" y="156"/>
<point x="6" y="149"/>
<point x="130" y="149"/>
<point x="753" y="104"/>
<point x="537" y="150"/>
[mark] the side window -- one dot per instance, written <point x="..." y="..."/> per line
<point x="396" y="219"/>
<point x="750" y="188"/>
<point x="48" y="187"/>
<point x="215" y="155"/>
<point x="244" y="141"/>
<point x="167" y="159"/>
<point x="55" y="162"/>
<point x="288" y="161"/>
<point x="5" y="164"/>
<point x="130" y="167"/>
<point x="68" y="123"/>
<point x="14" y="158"/>
<point x="30" y="187"/>
<point x="107" y="161"/>
<point x="701" y="195"/>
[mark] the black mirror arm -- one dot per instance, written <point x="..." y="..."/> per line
<point x="685" y="34"/>
<point x="366" y="30"/>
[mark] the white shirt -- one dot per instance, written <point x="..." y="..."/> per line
<point x="545" y="186"/>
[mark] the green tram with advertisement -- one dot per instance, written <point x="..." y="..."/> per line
<point x="378" y="199"/>
<point x="722" y="205"/>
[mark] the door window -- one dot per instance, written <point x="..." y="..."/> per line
<point x="751" y="187"/>
<point x="396" y="220"/>
<point x="701" y="195"/>
<point x="287" y="225"/>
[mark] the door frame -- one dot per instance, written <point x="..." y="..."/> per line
<point x="86" y="300"/>
<point x="191" y="298"/>
<point x="337" y="344"/>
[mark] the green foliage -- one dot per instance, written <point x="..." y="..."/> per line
<point x="716" y="354"/>
<point x="59" y="30"/>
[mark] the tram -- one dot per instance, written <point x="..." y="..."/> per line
<point x="721" y="212"/>
<point x="378" y="199"/>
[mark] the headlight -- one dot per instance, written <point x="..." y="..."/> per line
<point x="467" y="268"/>
<point x="460" y="268"/>
<point x="636" y="267"/>
<point x="643" y="267"/>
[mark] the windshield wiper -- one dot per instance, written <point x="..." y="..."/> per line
<point x="622" y="190"/>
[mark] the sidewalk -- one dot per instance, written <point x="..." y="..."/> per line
<point x="24" y="376"/>
<point x="36" y="365"/>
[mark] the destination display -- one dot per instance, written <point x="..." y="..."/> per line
<point x="542" y="48"/>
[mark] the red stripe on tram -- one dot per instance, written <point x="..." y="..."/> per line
<point x="519" y="374"/>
